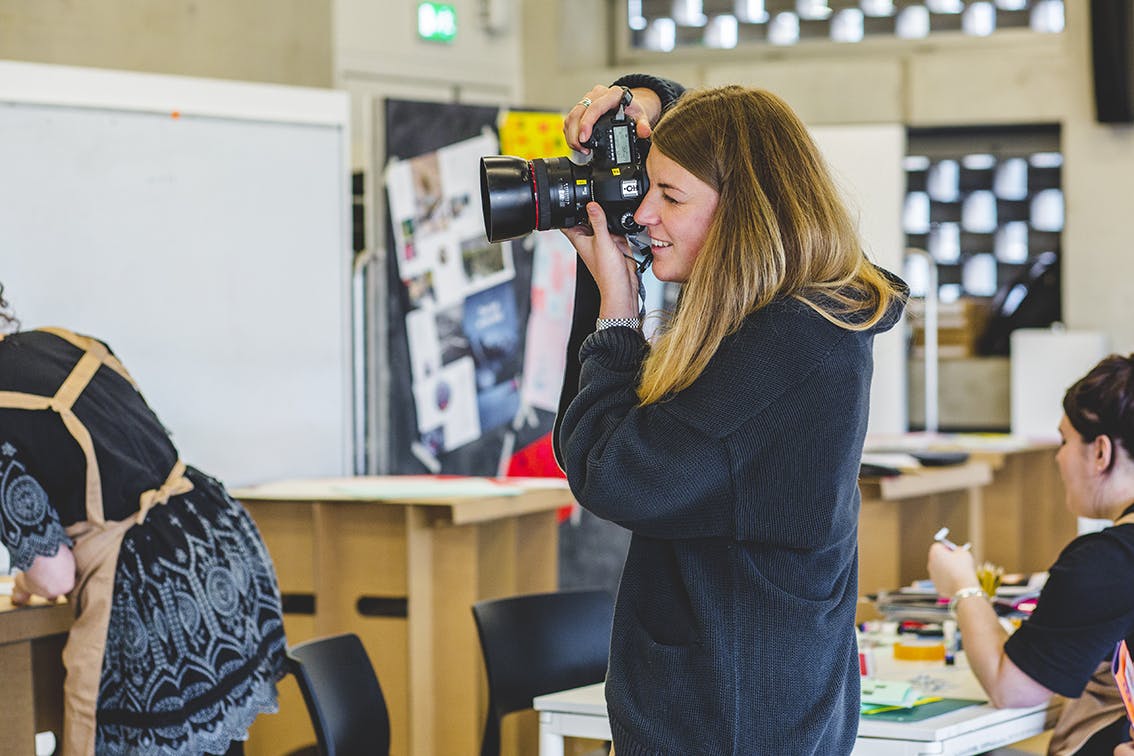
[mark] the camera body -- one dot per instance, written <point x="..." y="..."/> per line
<point x="520" y="196"/>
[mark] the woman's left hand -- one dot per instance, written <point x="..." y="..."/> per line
<point x="951" y="569"/>
<point x="644" y="108"/>
<point x="609" y="261"/>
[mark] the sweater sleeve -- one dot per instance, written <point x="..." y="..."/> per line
<point x="666" y="89"/>
<point x="582" y="325"/>
<point x="640" y="466"/>
<point x="586" y="290"/>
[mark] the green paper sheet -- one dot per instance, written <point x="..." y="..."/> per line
<point x="925" y="711"/>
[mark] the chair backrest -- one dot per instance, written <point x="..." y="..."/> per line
<point x="540" y="643"/>
<point x="342" y="694"/>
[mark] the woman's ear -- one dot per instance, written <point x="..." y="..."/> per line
<point x="1102" y="452"/>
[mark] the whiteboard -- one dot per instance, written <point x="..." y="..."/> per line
<point x="202" y="229"/>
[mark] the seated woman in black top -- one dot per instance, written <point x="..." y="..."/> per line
<point x="1087" y="606"/>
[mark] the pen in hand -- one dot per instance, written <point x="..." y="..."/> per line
<point x="941" y="536"/>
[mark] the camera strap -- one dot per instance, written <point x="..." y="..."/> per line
<point x="640" y="266"/>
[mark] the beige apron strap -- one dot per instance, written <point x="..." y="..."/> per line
<point x="62" y="404"/>
<point x="87" y="344"/>
<point x="174" y="485"/>
<point x="18" y="400"/>
<point x="96" y="559"/>
<point x="1099" y="705"/>
<point x="96" y="546"/>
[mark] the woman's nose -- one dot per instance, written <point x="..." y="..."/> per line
<point x="645" y="214"/>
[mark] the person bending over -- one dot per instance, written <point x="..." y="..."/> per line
<point x="178" y="640"/>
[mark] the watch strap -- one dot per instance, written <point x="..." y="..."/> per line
<point x="635" y="323"/>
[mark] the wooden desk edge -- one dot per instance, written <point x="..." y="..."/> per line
<point x="31" y="622"/>
<point x="929" y="480"/>
<point x="455" y="510"/>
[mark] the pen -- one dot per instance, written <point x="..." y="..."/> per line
<point x="941" y="537"/>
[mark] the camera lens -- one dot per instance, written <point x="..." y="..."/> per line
<point x="562" y="191"/>
<point x="506" y="196"/>
<point x="518" y="196"/>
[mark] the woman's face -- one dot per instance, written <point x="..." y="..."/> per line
<point x="676" y="212"/>
<point x="1076" y="467"/>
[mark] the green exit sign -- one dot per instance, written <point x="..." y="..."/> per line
<point x="436" y="22"/>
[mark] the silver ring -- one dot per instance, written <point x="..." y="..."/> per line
<point x="585" y="102"/>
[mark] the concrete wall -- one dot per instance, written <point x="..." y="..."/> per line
<point x="367" y="47"/>
<point x="1013" y="77"/>
<point x="276" y="41"/>
<point x="548" y="54"/>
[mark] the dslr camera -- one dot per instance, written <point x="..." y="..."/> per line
<point x="520" y="196"/>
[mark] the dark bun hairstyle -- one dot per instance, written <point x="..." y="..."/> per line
<point x="1102" y="402"/>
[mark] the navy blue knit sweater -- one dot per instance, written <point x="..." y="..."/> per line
<point x="734" y="626"/>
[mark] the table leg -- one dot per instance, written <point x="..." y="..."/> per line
<point x="550" y="743"/>
<point x="17" y="715"/>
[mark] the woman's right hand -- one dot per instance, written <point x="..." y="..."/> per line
<point x="951" y="569"/>
<point x="608" y="259"/>
<point x="644" y="108"/>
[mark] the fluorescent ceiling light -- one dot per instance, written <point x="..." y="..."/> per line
<point x="847" y="25"/>
<point x="1047" y="16"/>
<point x="812" y="10"/>
<point x="661" y="35"/>
<point x="912" y="22"/>
<point x="751" y="11"/>
<point x="722" y="32"/>
<point x="979" y="19"/>
<point x="877" y="8"/>
<point x="783" y="29"/>
<point x="689" y="13"/>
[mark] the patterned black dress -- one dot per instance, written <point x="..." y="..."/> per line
<point x="195" y="643"/>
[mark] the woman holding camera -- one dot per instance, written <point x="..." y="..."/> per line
<point x="729" y="447"/>
<point x="178" y="639"/>
<point x="1086" y="606"/>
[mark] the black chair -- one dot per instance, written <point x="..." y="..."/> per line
<point x="343" y="696"/>
<point x="537" y="644"/>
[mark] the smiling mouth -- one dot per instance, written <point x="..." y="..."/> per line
<point x="656" y="244"/>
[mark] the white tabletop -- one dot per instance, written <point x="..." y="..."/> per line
<point x="581" y="712"/>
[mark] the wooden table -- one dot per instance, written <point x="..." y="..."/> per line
<point x="1025" y="522"/>
<point x="400" y="561"/>
<point x="901" y="513"/>
<point x="31" y="666"/>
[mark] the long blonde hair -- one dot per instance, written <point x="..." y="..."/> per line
<point x="780" y="230"/>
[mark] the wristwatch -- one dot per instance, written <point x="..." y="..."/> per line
<point x="635" y="323"/>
